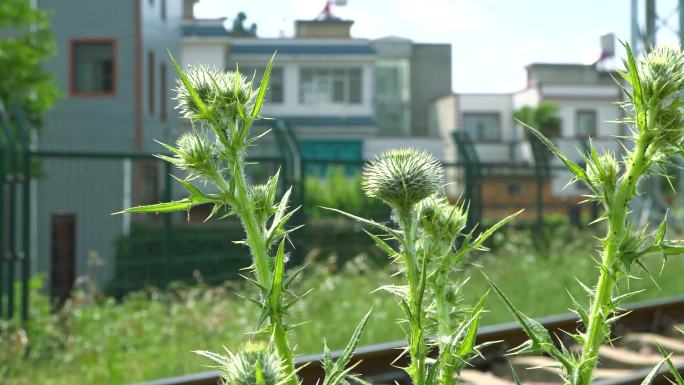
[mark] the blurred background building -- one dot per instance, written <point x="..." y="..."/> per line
<point x="344" y="98"/>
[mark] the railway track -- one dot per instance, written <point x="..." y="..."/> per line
<point x="626" y="362"/>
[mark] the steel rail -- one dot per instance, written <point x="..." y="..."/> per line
<point x="379" y="362"/>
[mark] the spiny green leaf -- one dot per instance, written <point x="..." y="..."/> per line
<point x="467" y="346"/>
<point x="660" y="233"/>
<point x="167" y="207"/>
<point x="540" y="340"/>
<point x="578" y="171"/>
<point x="337" y="373"/>
<point x="516" y="378"/>
<point x="365" y="221"/>
<point x="381" y="244"/>
<point x="580" y="310"/>
<point x="278" y="272"/>
<point x="191" y="90"/>
<point x="652" y="374"/>
<point x="670" y="365"/>
<point x="672" y="247"/>
<point x="479" y="241"/>
<point x="633" y="77"/>
<point x="354" y="340"/>
<point x="216" y="358"/>
<point x="262" y="89"/>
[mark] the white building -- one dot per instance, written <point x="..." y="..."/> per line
<point x="587" y="107"/>
<point x="346" y="98"/>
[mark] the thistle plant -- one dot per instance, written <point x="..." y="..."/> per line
<point x="655" y="119"/>
<point x="423" y="240"/>
<point x="222" y="107"/>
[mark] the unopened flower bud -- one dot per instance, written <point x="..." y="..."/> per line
<point x="605" y="171"/>
<point x="219" y="91"/>
<point x="402" y="178"/>
<point x="440" y="219"/>
<point x="194" y="152"/>
<point x="241" y="368"/>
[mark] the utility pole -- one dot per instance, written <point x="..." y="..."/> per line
<point x="650" y="38"/>
<point x="681" y="23"/>
<point x="634" y="41"/>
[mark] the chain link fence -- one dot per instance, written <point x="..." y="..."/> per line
<point x="57" y="223"/>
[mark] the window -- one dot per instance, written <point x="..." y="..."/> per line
<point x="330" y="86"/>
<point x="276" y="82"/>
<point x="163" y="92"/>
<point x="392" y="81"/>
<point x="482" y="126"/>
<point x="515" y="189"/>
<point x="586" y="123"/>
<point x="93" y="70"/>
<point x="150" y="82"/>
<point x="392" y="120"/>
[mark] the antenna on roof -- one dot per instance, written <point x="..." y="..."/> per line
<point x="326" y="13"/>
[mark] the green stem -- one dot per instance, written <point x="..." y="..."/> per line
<point x="617" y="211"/>
<point x="256" y="239"/>
<point x="446" y="375"/>
<point x="417" y="343"/>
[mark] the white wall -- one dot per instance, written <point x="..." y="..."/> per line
<point x="499" y="103"/>
<point x="607" y="112"/>
<point x="291" y="65"/>
<point x="444" y="112"/>
<point x="206" y="52"/>
<point x="374" y="146"/>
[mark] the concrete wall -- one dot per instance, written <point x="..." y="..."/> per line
<point x="375" y="146"/>
<point x="160" y="36"/>
<point x="92" y="123"/>
<point x="291" y="65"/>
<point x="89" y="188"/>
<point x="208" y="52"/>
<point x="498" y="103"/>
<point x="430" y="79"/>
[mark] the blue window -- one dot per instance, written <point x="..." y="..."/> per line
<point x="317" y="152"/>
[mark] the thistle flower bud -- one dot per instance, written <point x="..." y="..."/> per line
<point x="441" y="220"/>
<point x="661" y="72"/>
<point x="262" y="197"/>
<point x="219" y="91"/>
<point x="194" y="152"/>
<point x="402" y="178"/>
<point x="241" y="368"/>
<point x="603" y="170"/>
<point x="669" y="126"/>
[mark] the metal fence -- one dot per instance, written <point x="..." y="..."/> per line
<point x="57" y="223"/>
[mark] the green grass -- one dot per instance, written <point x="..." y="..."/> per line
<point x="151" y="334"/>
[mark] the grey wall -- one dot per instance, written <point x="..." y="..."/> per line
<point x="161" y="37"/>
<point x="79" y="123"/>
<point x="89" y="188"/>
<point x="430" y="79"/>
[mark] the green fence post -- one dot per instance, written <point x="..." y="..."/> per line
<point x="168" y="224"/>
<point x="538" y="170"/>
<point x="472" y="172"/>
<point x="11" y="233"/>
<point x="23" y="130"/>
<point x="302" y="188"/>
<point x="2" y="221"/>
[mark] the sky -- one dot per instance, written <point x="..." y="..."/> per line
<point x="492" y="40"/>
